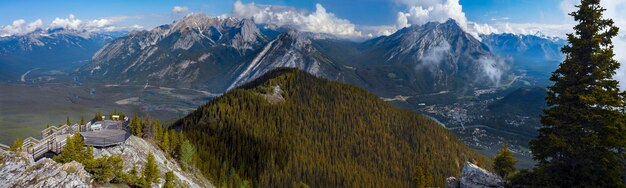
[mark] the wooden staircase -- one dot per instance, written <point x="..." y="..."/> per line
<point x="53" y="139"/>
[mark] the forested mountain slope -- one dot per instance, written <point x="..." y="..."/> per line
<point x="289" y="127"/>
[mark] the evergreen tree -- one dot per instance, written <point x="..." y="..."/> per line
<point x="17" y="145"/>
<point x="67" y="121"/>
<point x="157" y="130"/>
<point x="504" y="163"/>
<point x="74" y="150"/>
<point x="106" y="168"/>
<point x="136" y="126"/>
<point x="82" y="120"/>
<point x="151" y="170"/>
<point x="583" y="135"/>
<point x="175" y="143"/>
<point x="98" y="116"/>
<point x="420" y="178"/>
<point x="133" y="176"/>
<point x="142" y="182"/>
<point x="169" y="179"/>
<point x="186" y="154"/>
<point x="146" y="129"/>
<point x="165" y="143"/>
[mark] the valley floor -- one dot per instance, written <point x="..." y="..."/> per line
<point x="25" y="109"/>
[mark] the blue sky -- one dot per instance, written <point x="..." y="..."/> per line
<point x="363" y="12"/>
<point x="362" y="18"/>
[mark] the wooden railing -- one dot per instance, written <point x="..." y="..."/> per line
<point x="52" y="139"/>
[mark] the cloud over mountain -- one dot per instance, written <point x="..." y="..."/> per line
<point x="421" y="12"/>
<point x="20" y="27"/>
<point x="319" y="21"/>
<point x="179" y="9"/>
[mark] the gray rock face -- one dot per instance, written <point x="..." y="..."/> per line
<point x="135" y="151"/>
<point x="198" y="51"/>
<point x="473" y="176"/>
<point x="442" y="51"/>
<point x="20" y="170"/>
<point x="452" y="182"/>
<point x="290" y="49"/>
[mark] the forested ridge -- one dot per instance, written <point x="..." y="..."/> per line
<point x="321" y="133"/>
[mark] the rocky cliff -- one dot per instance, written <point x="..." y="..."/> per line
<point x="473" y="176"/>
<point x="20" y="170"/>
<point x="135" y="151"/>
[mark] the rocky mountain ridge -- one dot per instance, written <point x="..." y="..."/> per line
<point x="19" y="169"/>
<point x="219" y="53"/>
<point x="49" y="49"/>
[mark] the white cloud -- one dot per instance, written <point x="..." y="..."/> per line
<point x="378" y="30"/>
<point x="482" y="28"/>
<point x="70" y="23"/>
<point x="19" y="27"/>
<point x="492" y="68"/>
<point x="34" y="25"/>
<point x="424" y="11"/>
<point x="99" y="23"/>
<point x="179" y="9"/>
<point x="319" y="21"/>
<point x="421" y="12"/>
<point x="552" y="30"/>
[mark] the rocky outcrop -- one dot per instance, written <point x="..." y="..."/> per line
<point x="135" y="151"/>
<point x="20" y="170"/>
<point x="473" y="176"/>
<point x="452" y="182"/>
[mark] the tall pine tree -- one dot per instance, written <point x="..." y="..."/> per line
<point x="504" y="163"/>
<point x="583" y="135"/>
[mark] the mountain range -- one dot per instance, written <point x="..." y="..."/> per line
<point x="536" y="55"/>
<point x="437" y="68"/>
<point x="49" y="48"/>
<point x="217" y="54"/>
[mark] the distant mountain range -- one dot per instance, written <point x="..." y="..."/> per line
<point x="536" y="55"/>
<point x="51" y="48"/>
<point x="217" y="54"/>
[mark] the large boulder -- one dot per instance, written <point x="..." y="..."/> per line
<point x="473" y="176"/>
<point x="20" y="170"/>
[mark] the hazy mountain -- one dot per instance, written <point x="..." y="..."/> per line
<point x="537" y="55"/>
<point x="45" y="49"/>
<point x="525" y="47"/>
<point x="289" y="126"/>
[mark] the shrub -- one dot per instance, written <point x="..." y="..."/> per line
<point x="17" y="145"/>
